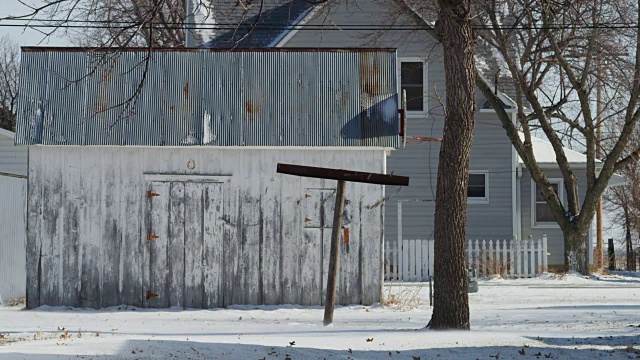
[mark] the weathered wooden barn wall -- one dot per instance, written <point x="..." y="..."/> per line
<point x="230" y="230"/>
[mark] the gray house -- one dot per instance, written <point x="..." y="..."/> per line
<point x="13" y="193"/>
<point x="502" y="198"/>
<point x="172" y="199"/>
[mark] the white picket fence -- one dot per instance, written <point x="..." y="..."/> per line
<point x="508" y="258"/>
<point x="412" y="261"/>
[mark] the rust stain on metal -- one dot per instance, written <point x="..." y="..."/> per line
<point x="99" y="107"/>
<point x="185" y="90"/>
<point x="252" y="108"/>
<point x="151" y="237"/>
<point x="369" y="74"/>
<point x="150" y="295"/>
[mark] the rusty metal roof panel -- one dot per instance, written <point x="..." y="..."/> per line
<point x="238" y="98"/>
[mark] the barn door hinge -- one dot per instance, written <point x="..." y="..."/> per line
<point x="151" y="194"/>
<point x="150" y="295"/>
<point x="151" y="236"/>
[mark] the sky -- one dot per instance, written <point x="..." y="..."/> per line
<point x="22" y="36"/>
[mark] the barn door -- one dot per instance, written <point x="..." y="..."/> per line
<point x="185" y="244"/>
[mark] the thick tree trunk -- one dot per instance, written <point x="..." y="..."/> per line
<point x="451" y="301"/>
<point x="576" y="253"/>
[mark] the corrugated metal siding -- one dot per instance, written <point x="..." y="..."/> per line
<point x="13" y="276"/>
<point x="252" y="98"/>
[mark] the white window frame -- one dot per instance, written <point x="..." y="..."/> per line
<point x="425" y="85"/>
<point x="480" y="200"/>
<point x="545" y="225"/>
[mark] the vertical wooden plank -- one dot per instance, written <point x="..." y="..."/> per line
<point x="158" y="273"/>
<point x="311" y="267"/>
<point x="476" y="250"/>
<point x="505" y="260"/>
<point x="213" y="242"/>
<point x="372" y="237"/>
<point x="176" y="244"/>
<point x="412" y="260"/>
<point x="291" y="228"/>
<point x="132" y="214"/>
<point x="532" y="257"/>
<point x="431" y="256"/>
<point x="525" y="257"/>
<point x="387" y="261"/>
<point x="544" y="253"/>
<point x="110" y="228"/>
<point x="484" y="257"/>
<point x="512" y="259"/>
<point x="469" y="245"/>
<point x="231" y="291"/>
<point x="326" y="255"/>
<point x="51" y="275"/>
<point x="34" y="222"/>
<point x="193" y="245"/>
<point x="418" y="260"/>
<point x="323" y="211"/>
<point x="405" y="260"/>
<point x="351" y="266"/>
<point x="270" y="250"/>
<point x="425" y="259"/>
<point x="90" y="218"/>
<point x="251" y="240"/>
<point x="539" y="260"/>
<point x="71" y="185"/>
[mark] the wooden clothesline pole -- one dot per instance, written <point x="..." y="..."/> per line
<point x="342" y="176"/>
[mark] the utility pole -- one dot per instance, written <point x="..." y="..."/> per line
<point x="599" y="258"/>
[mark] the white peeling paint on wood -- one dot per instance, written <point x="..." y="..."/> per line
<point x="233" y="233"/>
<point x="13" y="193"/>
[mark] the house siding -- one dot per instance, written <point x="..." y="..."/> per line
<point x="90" y="213"/>
<point x="555" y="239"/>
<point x="13" y="159"/>
<point x="491" y="149"/>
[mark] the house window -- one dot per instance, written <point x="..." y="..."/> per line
<point x="413" y="80"/>
<point x="542" y="213"/>
<point x="478" y="190"/>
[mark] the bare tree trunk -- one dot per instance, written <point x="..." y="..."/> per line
<point x="576" y="252"/>
<point x="451" y="301"/>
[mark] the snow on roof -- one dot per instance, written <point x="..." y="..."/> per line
<point x="544" y="153"/>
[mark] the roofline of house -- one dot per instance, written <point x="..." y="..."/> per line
<point x="291" y="30"/>
<point x="7" y="133"/>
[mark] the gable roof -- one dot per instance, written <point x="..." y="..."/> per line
<point x="261" y="24"/>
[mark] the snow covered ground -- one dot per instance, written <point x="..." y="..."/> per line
<point x="549" y="317"/>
